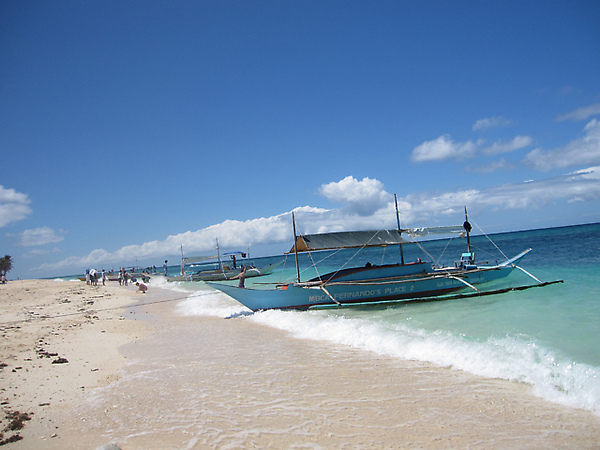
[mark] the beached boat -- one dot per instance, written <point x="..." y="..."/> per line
<point x="213" y="268"/>
<point x="373" y="283"/>
<point x="225" y="273"/>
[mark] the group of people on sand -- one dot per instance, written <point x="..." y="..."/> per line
<point x="92" y="276"/>
<point x="124" y="278"/>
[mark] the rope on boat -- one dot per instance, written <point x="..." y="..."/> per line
<point x="414" y="241"/>
<point x="488" y="238"/>
<point x="360" y="249"/>
<point x="437" y="262"/>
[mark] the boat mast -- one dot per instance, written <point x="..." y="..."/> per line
<point x="467" y="226"/>
<point x="399" y="229"/>
<point x="182" y="261"/>
<point x="219" y="256"/>
<point x="296" y="247"/>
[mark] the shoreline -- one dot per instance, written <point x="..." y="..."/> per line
<point x="195" y="382"/>
<point x="60" y="338"/>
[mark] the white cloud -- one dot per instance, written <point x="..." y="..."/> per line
<point x="581" y="113"/>
<point x="417" y="209"/>
<point x="517" y="143"/>
<point x="38" y="236"/>
<point x="363" y="197"/>
<point x="583" y="151"/>
<point x="444" y="148"/>
<point x="491" y="122"/>
<point x="14" y="206"/>
<point x="581" y="185"/>
<point x="231" y="233"/>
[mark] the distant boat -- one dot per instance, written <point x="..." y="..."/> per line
<point x="134" y="275"/>
<point x="225" y="274"/>
<point x="213" y="268"/>
<point x="374" y="283"/>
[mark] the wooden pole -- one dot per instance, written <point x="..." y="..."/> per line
<point x="296" y="247"/>
<point x="399" y="230"/>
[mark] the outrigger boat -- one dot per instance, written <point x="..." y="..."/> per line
<point x="375" y="283"/>
<point x="225" y="273"/>
<point x="213" y="268"/>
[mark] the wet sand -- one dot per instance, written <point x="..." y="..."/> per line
<point x="202" y="382"/>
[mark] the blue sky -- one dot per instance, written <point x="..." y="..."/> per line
<point x="128" y="129"/>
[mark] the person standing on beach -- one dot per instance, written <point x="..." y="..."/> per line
<point x="165" y="267"/>
<point x="93" y="277"/>
<point x="87" y="276"/>
<point x="103" y="278"/>
<point x="241" y="276"/>
<point x="121" y="276"/>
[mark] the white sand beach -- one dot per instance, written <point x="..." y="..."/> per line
<point x="89" y="372"/>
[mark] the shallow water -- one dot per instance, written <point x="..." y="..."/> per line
<point x="545" y="337"/>
<point x="202" y="382"/>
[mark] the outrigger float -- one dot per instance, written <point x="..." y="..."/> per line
<point x="402" y="282"/>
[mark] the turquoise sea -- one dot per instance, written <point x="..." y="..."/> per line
<point x="544" y="337"/>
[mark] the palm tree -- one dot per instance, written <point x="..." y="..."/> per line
<point x="5" y="265"/>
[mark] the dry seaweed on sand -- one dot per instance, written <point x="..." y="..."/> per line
<point x="16" y="421"/>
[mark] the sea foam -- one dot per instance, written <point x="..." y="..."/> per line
<point x="511" y="358"/>
<point x="210" y="303"/>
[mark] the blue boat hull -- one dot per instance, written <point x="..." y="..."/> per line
<point x="412" y="287"/>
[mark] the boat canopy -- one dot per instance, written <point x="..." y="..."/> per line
<point x="347" y="239"/>
<point x="197" y="259"/>
<point x="355" y="239"/>
<point x="426" y="231"/>
<point x="201" y="259"/>
<point x="242" y="254"/>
